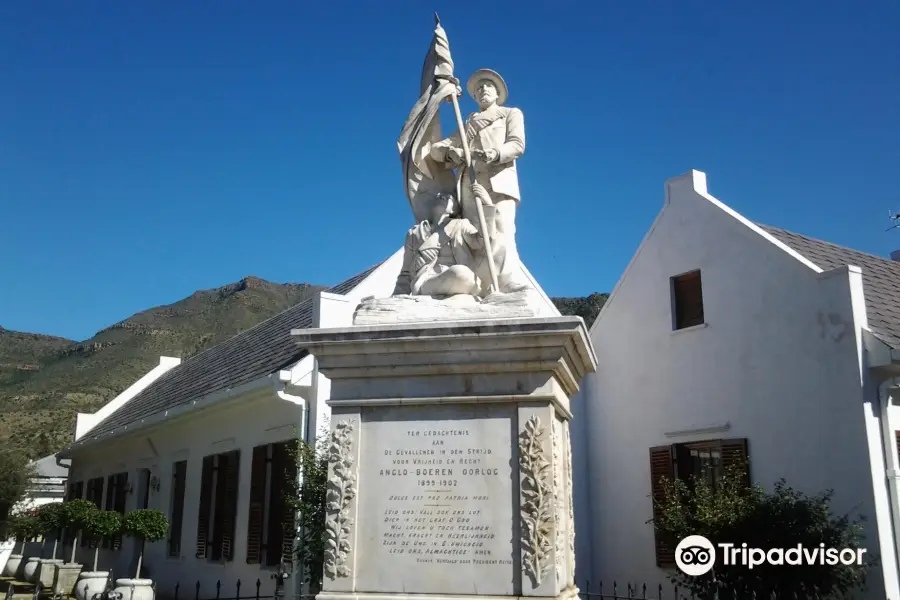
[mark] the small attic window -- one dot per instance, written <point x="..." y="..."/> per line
<point x="687" y="300"/>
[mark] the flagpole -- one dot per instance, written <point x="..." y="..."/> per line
<point x="485" y="234"/>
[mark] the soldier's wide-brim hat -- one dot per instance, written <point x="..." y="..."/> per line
<point x="493" y="77"/>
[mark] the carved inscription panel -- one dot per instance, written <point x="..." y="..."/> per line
<point x="436" y="501"/>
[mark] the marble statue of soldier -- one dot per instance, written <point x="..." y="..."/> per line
<point x="444" y="256"/>
<point x="496" y="137"/>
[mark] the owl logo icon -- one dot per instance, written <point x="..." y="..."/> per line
<point x="695" y="555"/>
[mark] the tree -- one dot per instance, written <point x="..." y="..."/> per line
<point x="308" y="503"/>
<point x="50" y="518"/>
<point x="146" y="525"/>
<point x="734" y="512"/>
<point x="104" y="524"/>
<point x="16" y="472"/>
<point x="77" y="515"/>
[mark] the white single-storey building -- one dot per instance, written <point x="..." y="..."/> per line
<point x="726" y="339"/>
<point x="48" y="483"/>
<point x="202" y="440"/>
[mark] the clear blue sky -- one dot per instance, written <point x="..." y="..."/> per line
<point x="150" y="149"/>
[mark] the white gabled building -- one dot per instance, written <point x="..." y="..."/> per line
<point x="47" y="485"/>
<point x="203" y="441"/>
<point x="726" y="338"/>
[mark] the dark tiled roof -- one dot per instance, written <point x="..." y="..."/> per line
<point x="261" y="350"/>
<point x="881" y="279"/>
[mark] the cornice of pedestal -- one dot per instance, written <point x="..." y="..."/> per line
<point x="557" y="345"/>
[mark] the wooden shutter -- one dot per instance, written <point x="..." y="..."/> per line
<point x="897" y="436"/>
<point x="661" y="466"/>
<point x="280" y="539"/>
<point x="95" y="495"/>
<point x="735" y="452"/>
<point x="215" y="534"/>
<point x="179" y="477"/>
<point x="206" y="482"/>
<point x="288" y="519"/>
<point x="98" y="492"/>
<point x="119" y="489"/>
<point x="79" y="489"/>
<point x="688" y="295"/>
<point x="109" y="503"/>
<point x="110" y="492"/>
<point x="257" y="501"/>
<point x="121" y="493"/>
<point x="89" y="496"/>
<point x="229" y="520"/>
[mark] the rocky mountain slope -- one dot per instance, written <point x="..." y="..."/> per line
<point x="45" y="380"/>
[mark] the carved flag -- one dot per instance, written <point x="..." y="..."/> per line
<point x="422" y="176"/>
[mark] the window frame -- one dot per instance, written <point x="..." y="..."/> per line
<point x="218" y="507"/>
<point x="116" y="500"/>
<point x="681" y="300"/>
<point x="269" y="516"/>
<point x="94" y="490"/>
<point x="664" y="462"/>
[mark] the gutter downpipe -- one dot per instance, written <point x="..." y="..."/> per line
<point x="891" y="458"/>
<point x="280" y="386"/>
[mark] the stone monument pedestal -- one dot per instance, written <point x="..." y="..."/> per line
<point x="450" y="461"/>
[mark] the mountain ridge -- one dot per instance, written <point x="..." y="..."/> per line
<point x="45" y="380"/>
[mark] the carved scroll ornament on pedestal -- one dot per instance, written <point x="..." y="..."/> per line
<point x="537" y="501"/>
<point x="341" y="491"/>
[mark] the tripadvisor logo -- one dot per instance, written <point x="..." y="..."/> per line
<point x="695" y="555"/>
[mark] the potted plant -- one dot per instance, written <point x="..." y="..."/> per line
<point x="21" y="528"/>
<point x="7" y="543"/>
<point x="29" y="528"/>
<point x="49" y="519"/>
<point x="75" y="515"/>
<point x="146" y="525"/>
<point x="104" y="524"/>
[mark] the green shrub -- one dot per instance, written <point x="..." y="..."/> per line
<point x="734" y="512"/>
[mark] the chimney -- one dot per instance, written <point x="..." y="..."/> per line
<point x="895" y="255"/>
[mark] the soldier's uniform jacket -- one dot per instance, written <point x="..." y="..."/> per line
<point x="500" y="128"/>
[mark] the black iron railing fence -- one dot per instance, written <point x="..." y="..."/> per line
<point x="276" y="587"/>
<point x="265" y="590"/>
<point x="614" y="591"/>
<point x="259" y="589"/>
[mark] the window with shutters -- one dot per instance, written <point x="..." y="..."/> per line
<point x="116" y="494"/>
<point x="176" y="507"/>
<point x="217" y="512"/>
<point x="707" y="460"/>
<point x="687" y="300"/>
<point x="94" y="494"/>
<point x="270" y="525"/>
